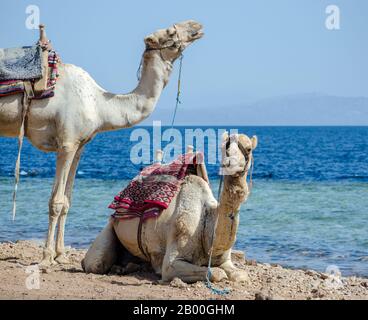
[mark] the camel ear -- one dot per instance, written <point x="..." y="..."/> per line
<point x="225" y="136"/>
<point x="151" y="41"/>
<point x="254" y="142"/>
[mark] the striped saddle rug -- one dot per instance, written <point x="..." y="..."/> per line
<point x="153" y="189"/>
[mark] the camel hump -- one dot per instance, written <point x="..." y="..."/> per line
<point x="210" y="201"/>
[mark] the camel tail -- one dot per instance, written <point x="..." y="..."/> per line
<point x="26" y="104"/>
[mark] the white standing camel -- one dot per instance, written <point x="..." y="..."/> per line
<point x="80" y="109"/>
<point x="178" y="242"/>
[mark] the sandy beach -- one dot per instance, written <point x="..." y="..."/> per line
<point x="18" y="262"/>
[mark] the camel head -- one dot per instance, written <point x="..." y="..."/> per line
<point x="237" y="154"/>
<point x="174" y="40"/>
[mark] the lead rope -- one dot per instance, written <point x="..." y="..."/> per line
<point x="139" y="70"/>
<point x="26" y="104"/>
<point x="178" y="91"/>
<point x="209" y="284"/>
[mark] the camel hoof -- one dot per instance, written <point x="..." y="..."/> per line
<point x="62" y="259"/>
<point x="217" y="275"/>
<point x="47" y="259"/>
<point x="240" y="276"/>
<point x="47" y="262"/>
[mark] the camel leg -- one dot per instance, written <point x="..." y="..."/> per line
<point x="156" y="262"/>
<point x="233" y="273"/>
<point x="60" y="249"/>
<point x="103" y="252"/>
<point x="174" y="266"/>
<point x="57" y="201"/>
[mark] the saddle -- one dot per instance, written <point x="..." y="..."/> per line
<point x="32" y="70"/>
<point x="153" y="189"/>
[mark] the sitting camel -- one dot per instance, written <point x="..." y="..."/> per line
<point x="178" y="242"/>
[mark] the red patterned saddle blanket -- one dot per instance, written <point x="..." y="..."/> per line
<point x="153" y="189"/>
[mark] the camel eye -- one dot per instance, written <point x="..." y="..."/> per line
<point x="171" y="31"/>
<point x="249" y="149"/>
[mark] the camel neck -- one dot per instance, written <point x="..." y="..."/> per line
<point x="119" y="111"/>
<point x="234" y="193"/>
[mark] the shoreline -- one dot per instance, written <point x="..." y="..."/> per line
<point x="138" y="282"/>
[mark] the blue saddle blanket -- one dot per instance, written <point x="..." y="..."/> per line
<point x="23" y="63"/>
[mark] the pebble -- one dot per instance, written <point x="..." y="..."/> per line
<point x="323" y="276"/>
<point x="251" y="262"/>
<point x="131" y="268"/>
<point x="199" y="284"/>
<point x="317" y="293"/>
<point x="178" y="283"/>
<point x="237" y="255"/>
<point x="115" y="270"/>
<point x="262" y="296"/>
<point x="311" y="272"/>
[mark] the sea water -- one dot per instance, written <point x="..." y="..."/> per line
<point x="308" y="207"/>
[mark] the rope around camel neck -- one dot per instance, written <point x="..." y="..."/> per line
<point x="209" y="284"/>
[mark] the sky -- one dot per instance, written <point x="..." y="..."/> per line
<point x="252" y="50"/>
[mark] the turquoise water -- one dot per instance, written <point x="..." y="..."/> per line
<point x="308" y="207"/>
<point x="295" y="224"/>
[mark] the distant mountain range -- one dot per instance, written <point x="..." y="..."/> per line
<point x="302" y="109"/>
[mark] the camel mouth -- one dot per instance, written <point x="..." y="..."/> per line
<point x="197" y="34"/>
<point x="189" y="31"/>
<point x="195" y="31"/>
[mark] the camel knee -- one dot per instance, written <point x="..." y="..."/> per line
<point x="55" y="208"/>
<point x="58" y="207"/>
<point x="68" y="147"/>
<point x="102" y="254"/>
<point x="97" y="267"/>
<point x="66" y="206"/>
